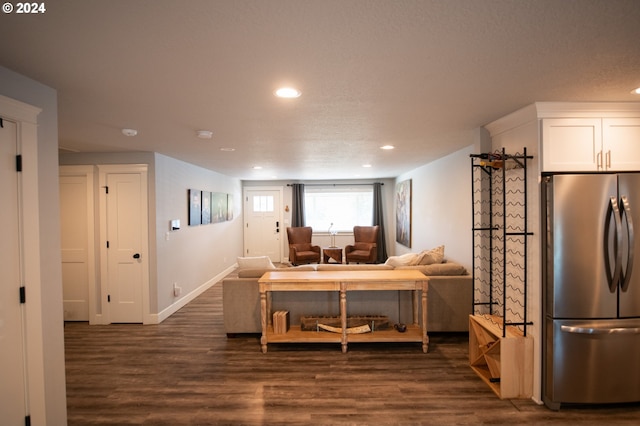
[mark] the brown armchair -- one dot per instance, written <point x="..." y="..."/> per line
<point x="300" y="248"/>
<point x="365" y="247"/>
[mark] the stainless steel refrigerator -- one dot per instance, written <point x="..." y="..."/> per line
<point x="591" y="289"/>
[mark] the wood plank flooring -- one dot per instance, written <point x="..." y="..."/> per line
<point x="185" y="371"/>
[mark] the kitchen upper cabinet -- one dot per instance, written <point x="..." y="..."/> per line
<point x="571" y="144"/>
<point x="621" y="142"/>
<point x="590" y="144"/>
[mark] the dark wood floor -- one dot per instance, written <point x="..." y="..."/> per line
<point x="186" y="372"/>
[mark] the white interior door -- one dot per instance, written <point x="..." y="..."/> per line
<point x="12" y="349"/>
<point x="263" y="223"/>
<point x="77" y="242"/>
<point x="125" y="237"/>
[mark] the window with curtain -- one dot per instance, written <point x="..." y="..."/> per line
<point x="345" y="206"/>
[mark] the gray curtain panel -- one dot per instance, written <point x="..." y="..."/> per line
<point x="297" y="210"/>
<point x="378" y="219"/>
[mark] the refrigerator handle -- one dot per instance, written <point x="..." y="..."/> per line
<point x="626" y="212"/>
<point x="600" y="330"/>
<point x="613" y="277"/>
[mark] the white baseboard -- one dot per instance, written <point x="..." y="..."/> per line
<point x="173" y="308"/>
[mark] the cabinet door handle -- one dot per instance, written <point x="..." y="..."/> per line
<point x="608" y="162"/>
<point x="599" y="160"/>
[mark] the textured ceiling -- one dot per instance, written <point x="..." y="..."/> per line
<point x="420" y="75"/>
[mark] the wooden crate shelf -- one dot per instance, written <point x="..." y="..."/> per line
<point x="504" y="363"/>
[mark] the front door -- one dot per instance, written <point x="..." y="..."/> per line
<point x="124" y="235"/>
<point x="263" y="223"/>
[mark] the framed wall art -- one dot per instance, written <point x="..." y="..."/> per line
<point x="403" y="213"/>
<point x="229" y="207"/>
<point x="218" y="207"/>
<point x="195" y="207"/>
<point x="206" y="207"/>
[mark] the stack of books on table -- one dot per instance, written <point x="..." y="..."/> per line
<point x="280" y="322"/>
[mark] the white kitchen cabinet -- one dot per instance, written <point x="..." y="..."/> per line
<point x="590" y="144"/>
<point x="621" y="143"/>
<point x="571" y="144"/>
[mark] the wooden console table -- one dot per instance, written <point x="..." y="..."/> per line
<point x="344" y="282"/>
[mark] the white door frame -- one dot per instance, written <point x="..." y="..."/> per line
<point x="278" y="208"/>
<point x="26" y="117"/>
<point x="103" y="171"/>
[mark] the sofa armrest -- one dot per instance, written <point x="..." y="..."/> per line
<point x="438" y="269"/>
<point x="241" y="305"/>
<point x="449" y="303"/>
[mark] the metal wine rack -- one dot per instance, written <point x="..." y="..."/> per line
<point x="500" y="234"/>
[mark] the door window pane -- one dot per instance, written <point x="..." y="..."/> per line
<point x="262" y="203"/>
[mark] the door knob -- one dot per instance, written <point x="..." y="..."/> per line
<point x="136" y="256"/>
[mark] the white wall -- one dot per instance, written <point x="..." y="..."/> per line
<point x="441" y="206"/>
<point x="45" y="329"/>
<point x="194" y="257"/>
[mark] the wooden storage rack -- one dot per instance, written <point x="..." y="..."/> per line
<point x="501" y="356"/>
<point x="500" y="351"/>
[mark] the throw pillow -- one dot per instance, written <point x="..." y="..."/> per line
<point x="417" y="259"/>
<point x="257" y="262"/>
<point x="435" y="255"/>
<point x="402" y="260"/>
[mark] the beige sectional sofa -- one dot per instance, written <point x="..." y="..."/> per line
<point x="449" y="300"/>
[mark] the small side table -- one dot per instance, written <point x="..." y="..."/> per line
<point x="332" y="253"/>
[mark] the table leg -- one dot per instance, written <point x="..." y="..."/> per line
<point x="343" y="316"/>
<point x="425" y="337"/>
<point x="269" y="310"/>
<point x="415" y="301"/>
<point x="263" y="319"/>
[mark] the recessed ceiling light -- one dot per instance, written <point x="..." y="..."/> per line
<point x="636" y="91"/>
<point x="129" y="132"/>
<point x="288" y="92"/>
<point x="366" y="165"/>
<point x="257" y="167"/>
<point x="205" y="134"/>
<point x="387" y="147"/>
<point x="227" y="149"/>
